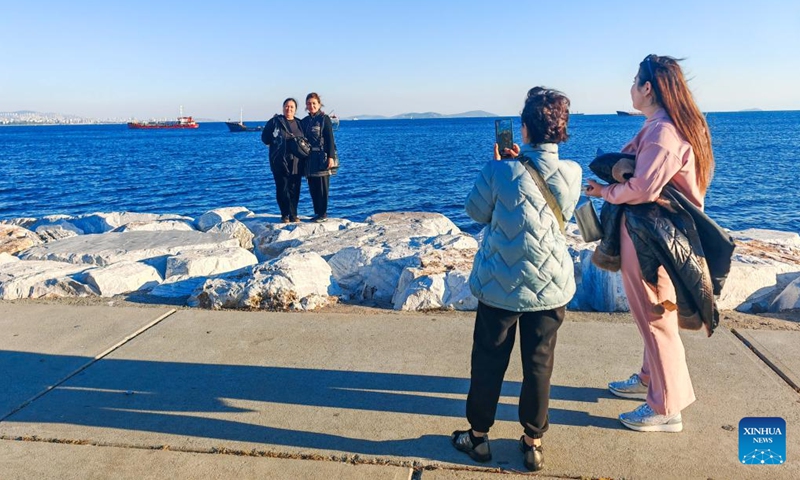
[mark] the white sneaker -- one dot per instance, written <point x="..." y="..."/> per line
<point x="644" y="419"/>
<point x="630" y="388"/>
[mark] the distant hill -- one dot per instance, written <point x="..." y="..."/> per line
<point x="418" y="115"/>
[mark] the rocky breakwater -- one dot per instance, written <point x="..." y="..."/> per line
<point x="234" y="258"/>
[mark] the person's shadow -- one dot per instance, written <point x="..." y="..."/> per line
<point x="182" y="399"/>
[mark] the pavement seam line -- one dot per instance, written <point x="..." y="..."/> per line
<point x="91" y="362"/>
<point x="766" y="360"/>
<point x="352" y="459"/>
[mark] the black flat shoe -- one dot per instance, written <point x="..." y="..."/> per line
<point x="532" y="456"/>
<point x="462" y="441"/>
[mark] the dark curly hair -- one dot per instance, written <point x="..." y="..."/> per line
<point x="545" y="115"/>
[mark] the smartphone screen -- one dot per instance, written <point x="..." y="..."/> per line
<point x="504" y="134"/>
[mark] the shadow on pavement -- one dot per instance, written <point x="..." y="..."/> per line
<point x="180" y="399"/>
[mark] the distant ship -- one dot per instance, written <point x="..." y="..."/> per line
<point x="629" y="114"/>
<point x="241" y="127"/>
<point x="182" y="122"/>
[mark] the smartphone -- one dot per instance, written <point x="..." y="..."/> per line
<point x="504" y="134"/>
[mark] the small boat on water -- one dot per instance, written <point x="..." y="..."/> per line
<point x="334" y="121"/>
<point x="241" y="127"/>
<point x="629" y="114"/>
<point x="182" y="122"/>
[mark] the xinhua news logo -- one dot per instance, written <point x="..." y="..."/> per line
<point x="762" y="441"/>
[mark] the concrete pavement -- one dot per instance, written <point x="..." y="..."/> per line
<point x="125" y="392"/>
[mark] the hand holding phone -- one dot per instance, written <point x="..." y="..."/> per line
<point x="504" y="135"/>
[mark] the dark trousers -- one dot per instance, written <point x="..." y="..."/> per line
<point x="493" y="340"/>
<point x="318" y="187"/>
<point x="287" y="193"/>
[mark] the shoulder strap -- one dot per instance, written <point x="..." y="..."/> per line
<point x="548" y="195"/>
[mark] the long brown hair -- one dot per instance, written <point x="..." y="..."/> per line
<point x="671" y="92"/>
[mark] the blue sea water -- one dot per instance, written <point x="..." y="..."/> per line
<point x="387" y="165"/>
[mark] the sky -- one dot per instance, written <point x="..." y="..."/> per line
<point x="144" y="59"/>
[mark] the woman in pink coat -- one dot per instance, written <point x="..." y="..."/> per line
<point x="673" y="147"/>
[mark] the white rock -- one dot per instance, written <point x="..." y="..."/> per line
<point x="101" y="222"/>
<point x="788" y="299"/>
<point x="257" y="223"/>
<point x="51" y="233"/>
<point x="7" y="257"/>
<point x="381" y="230"/>
<point x="41" y="279"/>
<point x="272" y="242"/>
<point x="750" y="286"/>
<point x="422" y="224"/>
<point x="419" y="292"/>
<point x="122" y="277"/>
<point x="458" y="296"/>
<point x="24" y="222"/>
<point x="177" y="287"/>
<point x="448" y="290"/>
<point x="14" y="239"/>
<point x="106" y="249"/>
<point x="767" y="236"/>
<point x="597" y="289"/>
<point x="235" y="229"/>
<point x="298" y="281"/>
<point x="158" y="225"/>
<point x="219" y="215"/>
<point x="350" y="267"/>
<point x="208" y="262"/>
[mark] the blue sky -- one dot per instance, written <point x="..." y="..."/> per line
<point x="143" y="59"/>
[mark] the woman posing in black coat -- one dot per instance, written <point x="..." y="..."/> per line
<point x="287" y="168"/>
<point x="323" y="162"/>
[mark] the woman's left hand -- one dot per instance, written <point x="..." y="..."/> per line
<point x="593" y="189"/>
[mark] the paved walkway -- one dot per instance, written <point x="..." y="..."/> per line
<point x="140" y="393"/>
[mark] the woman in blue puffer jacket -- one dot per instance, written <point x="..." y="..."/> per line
<point x="522" y="273"/>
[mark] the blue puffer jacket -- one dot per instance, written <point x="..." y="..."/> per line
<point x="523" y="264"/>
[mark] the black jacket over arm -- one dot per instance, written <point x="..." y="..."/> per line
<point x="674" y="233"/>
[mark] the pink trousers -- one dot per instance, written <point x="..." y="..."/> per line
<point x="664" y="366"/>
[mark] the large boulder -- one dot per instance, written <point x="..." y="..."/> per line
<point x="788" y="299"/>
<point x="208" y="262"/>
<point x="41" y="279"/>
<point x="235" y="229"/>
<point x="110" y="248"/>
<point x="214" y="217"/>
<point x="157" y="225"/>
<point x="14" y="239"/>
<point x="122" y="277"/>
<point x="295" y="281"/>
<point x="94" y="223"/>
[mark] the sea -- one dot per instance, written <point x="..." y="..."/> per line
<point x="426" y="165"/>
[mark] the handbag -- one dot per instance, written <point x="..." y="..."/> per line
<point x="587" y="220"/>
<point x="300" y="147"/>
<point x="548" y="195"/>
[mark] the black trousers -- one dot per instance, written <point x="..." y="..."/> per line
<point x="493" y="340"/>
<point x="318" y="187"/>
<point x="287" y="193"/>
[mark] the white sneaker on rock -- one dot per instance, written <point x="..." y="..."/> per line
<point x="630" y="388"/>
<point x="645" y="419"/>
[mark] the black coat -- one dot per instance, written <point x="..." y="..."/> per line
<point x="281" y="160"/>
<point x="670" y="232"/>
<point x="318" y="129"/>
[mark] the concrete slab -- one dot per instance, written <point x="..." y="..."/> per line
<point x="782" y="348"/>
<point x="42" y="344"/>
<point x="393" y="388"/>
<point x="88" y="462"/>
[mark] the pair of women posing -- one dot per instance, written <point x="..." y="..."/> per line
<point x="523" y="273"/>
<point x="289" y="164"/>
